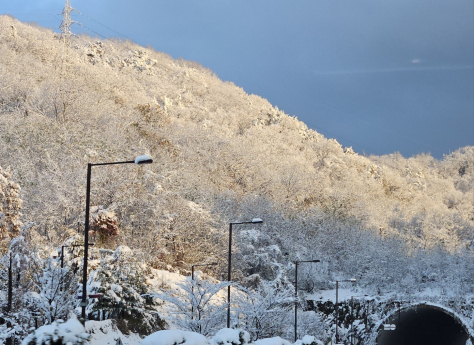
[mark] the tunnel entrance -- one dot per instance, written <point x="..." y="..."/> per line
<point x="423" y="325"/>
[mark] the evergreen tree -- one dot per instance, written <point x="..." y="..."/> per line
<point x="120" y="279"/>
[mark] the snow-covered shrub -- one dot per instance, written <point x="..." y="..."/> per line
<point x="15" y="326"/>
<point x="228" y="336"/>
<point x="70" y="332"/>
<point x="174" y="337"/>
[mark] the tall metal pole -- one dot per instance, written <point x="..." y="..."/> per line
<point x="228" y="274"/>
<point x="337" y="311"/>
<point x="86" y="246"/>
<point x="229" y="260"/>
<point x="352" y="320"/>
<point x="353" y="280"/>
<point x="192" y="292"/>
<point x="144" y="159"/>
<point x="296" y="294"/>
<point x="62" y="266"/>
<point x="296" y="300"/>
<point x="10" y="286"/>
<point x="62" y="256"/>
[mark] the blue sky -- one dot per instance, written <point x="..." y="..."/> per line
<point x="380" y="76"/>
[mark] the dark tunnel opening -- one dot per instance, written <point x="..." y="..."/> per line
<point x="423" y="325"/>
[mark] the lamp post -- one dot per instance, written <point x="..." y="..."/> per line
<point x="352" y="317"/>
<point x="296" y="294"/>
<point x="192" y="286"/>
<point x="138" y="160"/>
<point x="10" y="286"/>
<point x="254" y="221"/>
<point x="353" y="280"/>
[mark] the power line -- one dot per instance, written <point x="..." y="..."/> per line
<point x="105" y="26"/>
<point x="95" y="32"/>
<point x="68" y="19"/>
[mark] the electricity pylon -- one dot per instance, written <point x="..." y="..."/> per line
<point x="67" y="21"/>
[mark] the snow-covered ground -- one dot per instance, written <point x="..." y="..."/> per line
<point x="106" y="333"/>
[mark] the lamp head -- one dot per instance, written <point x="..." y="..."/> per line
<point x="257" y="220"/>
<point x="144" y="159"/>
<point x="316" y="260"/>
<point x="353" y="280"/>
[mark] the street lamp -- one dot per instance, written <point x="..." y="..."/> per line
<point x="144" y="159"/>
<point x="352" y="316"/>
<point x="192" y="283"/>
<point x="10" y="286"/>
<point x="254" y="221"/>
<point x="353" y="280"/>
<point x="296" y="294"/>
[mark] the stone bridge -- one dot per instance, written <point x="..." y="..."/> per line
<point x="361" y="319"/>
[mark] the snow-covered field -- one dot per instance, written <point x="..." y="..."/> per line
<point x="106" y="333"/>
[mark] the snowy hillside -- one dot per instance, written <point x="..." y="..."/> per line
<point x="396" y="224"/>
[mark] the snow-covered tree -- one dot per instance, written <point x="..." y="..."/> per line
<point x="10" y="206"/>
<point x="17" y="314"/>
<point x="265" y="311"/>
<point x="120" y="279"/>
<point x="104" y="225"/>
<point x="197" y="305"/>
<point x="57" y="289"/>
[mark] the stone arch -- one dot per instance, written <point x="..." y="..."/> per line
<point x="451" y="313"/>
